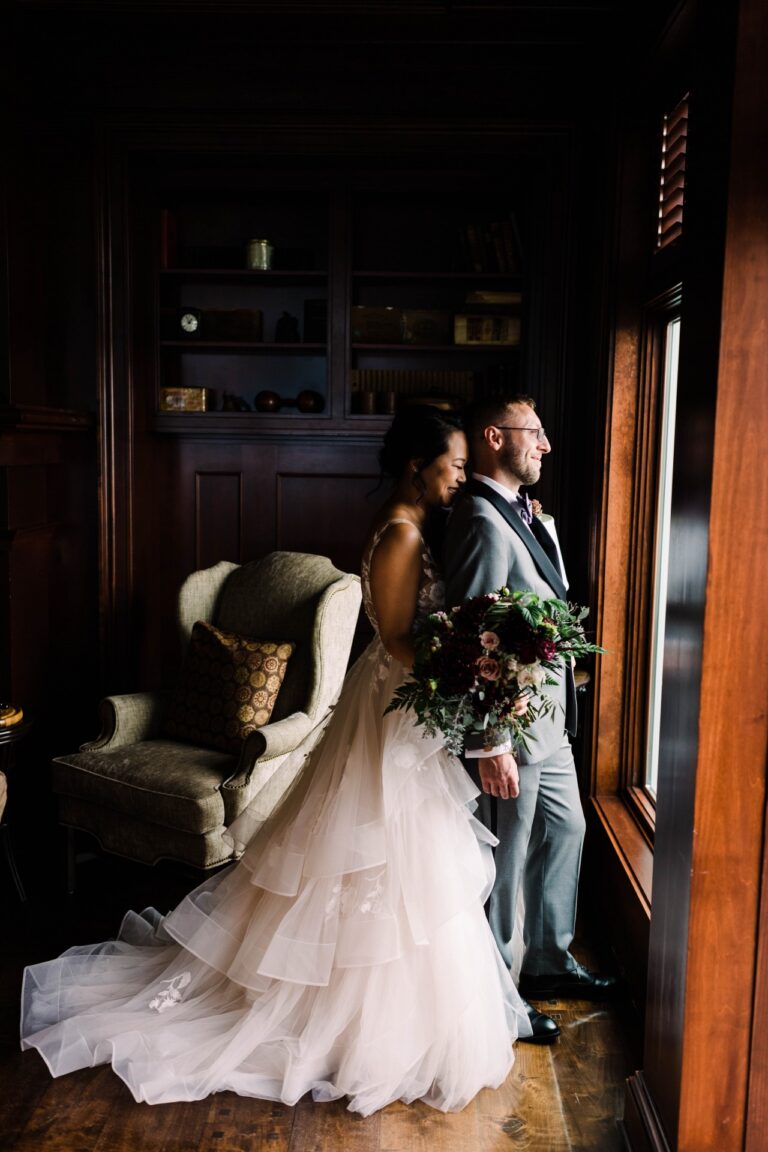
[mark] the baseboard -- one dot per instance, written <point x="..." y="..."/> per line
<point x="641" y="1126"/>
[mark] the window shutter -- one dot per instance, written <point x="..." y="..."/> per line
<point x="672" y="176"/>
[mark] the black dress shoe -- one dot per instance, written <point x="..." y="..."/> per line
<point x="580" y="984"/>
<point x="545" y="1031"/>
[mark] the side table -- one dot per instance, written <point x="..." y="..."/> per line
<point x="9" y="739"/>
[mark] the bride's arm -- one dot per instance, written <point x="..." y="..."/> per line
<point x="395" y="572"/>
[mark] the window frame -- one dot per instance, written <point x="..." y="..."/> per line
<point x="657" y="315"/>
<point x="622" y="805"/>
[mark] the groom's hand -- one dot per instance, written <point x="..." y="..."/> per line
<point x="499" y="776"/>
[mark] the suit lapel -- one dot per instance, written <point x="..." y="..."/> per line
<point x="545" y="566"/>
<point x="546" y="542"/>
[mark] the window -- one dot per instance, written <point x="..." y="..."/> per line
<point x="638" y="585"/>
<point x="666" y="443"/>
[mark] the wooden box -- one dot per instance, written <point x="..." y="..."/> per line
<point x="185" y="399"/>
<point x="376" y="325"/>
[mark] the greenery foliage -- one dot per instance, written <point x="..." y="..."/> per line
<point x="475" y="662"/>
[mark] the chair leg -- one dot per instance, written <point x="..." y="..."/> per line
<point x="71" y="861"/>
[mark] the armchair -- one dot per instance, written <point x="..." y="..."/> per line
<point x="147" y="797"/>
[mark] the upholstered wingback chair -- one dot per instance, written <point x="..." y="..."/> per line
<point x="148" y="796"/>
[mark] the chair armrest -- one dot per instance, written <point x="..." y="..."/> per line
<point x="128" y="719"/>
<point x="271" y="742"/>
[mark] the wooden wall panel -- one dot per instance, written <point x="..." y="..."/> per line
<point x="26" y="488"/>
<point x="30" y="595"/>
<point x="48" y="609"/>
<point x="48" y="603"/>
<point x="205" y="499"/>
<point x="218" y="517"/>
<point x="325" y="514"/>
<point x="616" y="885"/>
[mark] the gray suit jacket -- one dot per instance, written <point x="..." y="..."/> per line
<point x="487" y="546"/>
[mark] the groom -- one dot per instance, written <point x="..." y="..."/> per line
<point x="494" y="540"/>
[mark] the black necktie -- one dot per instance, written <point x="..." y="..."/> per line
<point x="522" y="503"/>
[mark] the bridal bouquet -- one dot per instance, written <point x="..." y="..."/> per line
<point x="475" y="661"/>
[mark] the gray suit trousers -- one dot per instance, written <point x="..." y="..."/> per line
<point x="540" y="834"/>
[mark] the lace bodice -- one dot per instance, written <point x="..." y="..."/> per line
<point x="431" y="586"/>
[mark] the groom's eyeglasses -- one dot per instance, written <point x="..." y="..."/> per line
<point x="540" y="433"/>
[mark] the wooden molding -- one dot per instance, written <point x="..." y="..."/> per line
<point x="630" y="845"/>
<point x="37" y="418"/>
<point x="641" y="1125"/>
<point x="617" y="877"/>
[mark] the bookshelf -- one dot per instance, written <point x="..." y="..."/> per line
<point x="381" y="290"/>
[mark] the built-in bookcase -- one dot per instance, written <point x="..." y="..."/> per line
<point x="379" y="290"/>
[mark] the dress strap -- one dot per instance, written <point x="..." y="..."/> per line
<point x="365" y="569"/>
<point x="397" y="520"/>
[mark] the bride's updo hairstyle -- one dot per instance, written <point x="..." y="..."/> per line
<point x="418" y="433"/>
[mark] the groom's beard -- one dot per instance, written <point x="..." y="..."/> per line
<point x="517" y="465"/>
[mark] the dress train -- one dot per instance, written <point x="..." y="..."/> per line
<point x="345" y="954"/>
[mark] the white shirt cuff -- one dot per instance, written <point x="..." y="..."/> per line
<point x="480" y="753"/>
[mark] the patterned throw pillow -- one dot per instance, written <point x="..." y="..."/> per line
<point x="228" y="688"/>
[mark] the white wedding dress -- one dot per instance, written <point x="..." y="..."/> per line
<point x="345" y="954"/>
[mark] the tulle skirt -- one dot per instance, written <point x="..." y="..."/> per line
<point x="346" y="953"/>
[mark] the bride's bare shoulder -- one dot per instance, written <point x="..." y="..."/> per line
<point x="393" y="522"/>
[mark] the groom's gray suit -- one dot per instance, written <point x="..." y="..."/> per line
<point x="541" y="832"/>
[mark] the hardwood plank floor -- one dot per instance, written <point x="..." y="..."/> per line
<point x="562" y="1098"/>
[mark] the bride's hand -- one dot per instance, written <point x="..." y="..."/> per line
<point x="499" y="776"/>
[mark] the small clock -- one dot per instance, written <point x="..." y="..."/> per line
<point x="189" y="321"/>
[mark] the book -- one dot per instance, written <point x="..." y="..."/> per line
<point x="475" y="247"/>
<point x="486" y="329"/>
<point x="498" y="248"/>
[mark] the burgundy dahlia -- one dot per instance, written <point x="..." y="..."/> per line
<point x="547" y="649"/>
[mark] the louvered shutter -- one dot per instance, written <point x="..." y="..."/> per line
<point x="672" y="176"/>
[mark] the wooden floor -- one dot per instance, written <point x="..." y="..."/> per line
<point x="564" y="1097"/>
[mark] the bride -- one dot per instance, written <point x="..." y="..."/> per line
<point x="346" y="953"/>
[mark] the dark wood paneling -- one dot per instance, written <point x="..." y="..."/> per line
<point x="704" y="1020"/>
<point x="729" y="815"/>
<point x="48" y="609"/>
<point x="304" y="481"/>
<point x="404" y="61"/>
<point x="48" y="604"/>
<point x="326" y="514"/>
<point x="218" y="517"/>
<point x="201" y="500"/>
<point x="616" y="887"/>
<point x="28" y="597"/>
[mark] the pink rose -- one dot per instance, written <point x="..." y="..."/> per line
<point x="489" y="640"/>
<point x="488" y="668"/>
